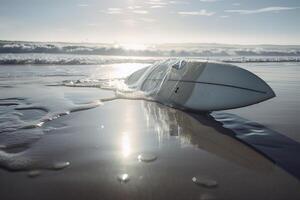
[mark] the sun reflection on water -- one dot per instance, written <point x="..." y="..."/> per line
<point x="125" y="144"/>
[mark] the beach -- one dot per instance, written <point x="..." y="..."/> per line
<point x="64" y="137"/>
<point x="149" y="100"/>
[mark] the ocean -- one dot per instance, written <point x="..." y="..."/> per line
<point x="14" y="52"/>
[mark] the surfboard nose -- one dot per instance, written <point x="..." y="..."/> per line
<point x="270" y="93"/>
<point x="223" y="86"/>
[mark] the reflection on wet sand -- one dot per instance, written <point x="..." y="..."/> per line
<point x="143" y="150"/>
<point x="200" y="131"/>
<point x="128" y="149"/>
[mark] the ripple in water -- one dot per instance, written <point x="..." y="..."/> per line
<point x="33" y="173"/>
<point x="208" y="183"/>
<point x="146" y="157"/>
<point x="22" y="123"/>
<point x="123" y="178"/>
<point x="258" y="130"/>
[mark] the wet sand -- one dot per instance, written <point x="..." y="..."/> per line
<point x="104" y="142"/>
<point x="82" y="153"/>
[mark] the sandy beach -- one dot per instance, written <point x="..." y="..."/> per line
<point x="135" y="149"/>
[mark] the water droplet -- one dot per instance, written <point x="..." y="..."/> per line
<point x="39" y="124"/>
<point x="33" y="173"/>
<point x="146" y="157"/>
<point x="205" y="182"/>
<point x="60" y="165"/>
<point x="123" y="178"/>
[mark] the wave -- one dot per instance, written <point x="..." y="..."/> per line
<point x="169" y="50"/>
<point x="37" y="53"/>
<point x="63" y="59"/>
<point x="66" y="59"/>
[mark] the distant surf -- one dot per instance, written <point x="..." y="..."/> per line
<point x="39" y="53"/>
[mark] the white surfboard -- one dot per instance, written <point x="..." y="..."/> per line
<point x="200" y="85"/>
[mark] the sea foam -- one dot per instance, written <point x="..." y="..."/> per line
<point x="38" y="53"/>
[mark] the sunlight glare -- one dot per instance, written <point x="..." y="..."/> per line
<point x="133" y="46"/>
<point x="126" y="146"/>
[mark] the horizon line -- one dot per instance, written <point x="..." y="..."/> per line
<point x="158" y="43"/>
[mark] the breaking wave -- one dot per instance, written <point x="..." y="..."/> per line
<point x="65" y="59"/>
<point x="21" y="53"/>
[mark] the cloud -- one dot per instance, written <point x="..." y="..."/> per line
<point x="82" y="5"/>
<point x="202" y="12"/>
<point x="134" y="7"/>
<point x="113" y="11"/>
<point x="157" y="3"/>
<point x="162" y="4"/>
<point x="208" y="0"/>
<point x="157" y="6"/>
<point x="262" y="10"/>
<point x="236" y="4"/>
<point x="224" y="16"/>
<point x="142" y="12"/>
<point x="179" y="2"/>
<point x="117" y="11"/>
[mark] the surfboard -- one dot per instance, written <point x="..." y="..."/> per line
<point x="200" y="85"/>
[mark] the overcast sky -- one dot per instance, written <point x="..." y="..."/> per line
<point x="152" y="21"/>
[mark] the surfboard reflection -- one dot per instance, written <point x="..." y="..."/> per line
<point x="204" y="132"/>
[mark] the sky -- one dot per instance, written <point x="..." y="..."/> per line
<point x="152" y="21"/>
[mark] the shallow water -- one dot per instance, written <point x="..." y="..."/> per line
<point x="41" y="132"/>
<point x="282" y="112"/>
<point x="107" y="145"/>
